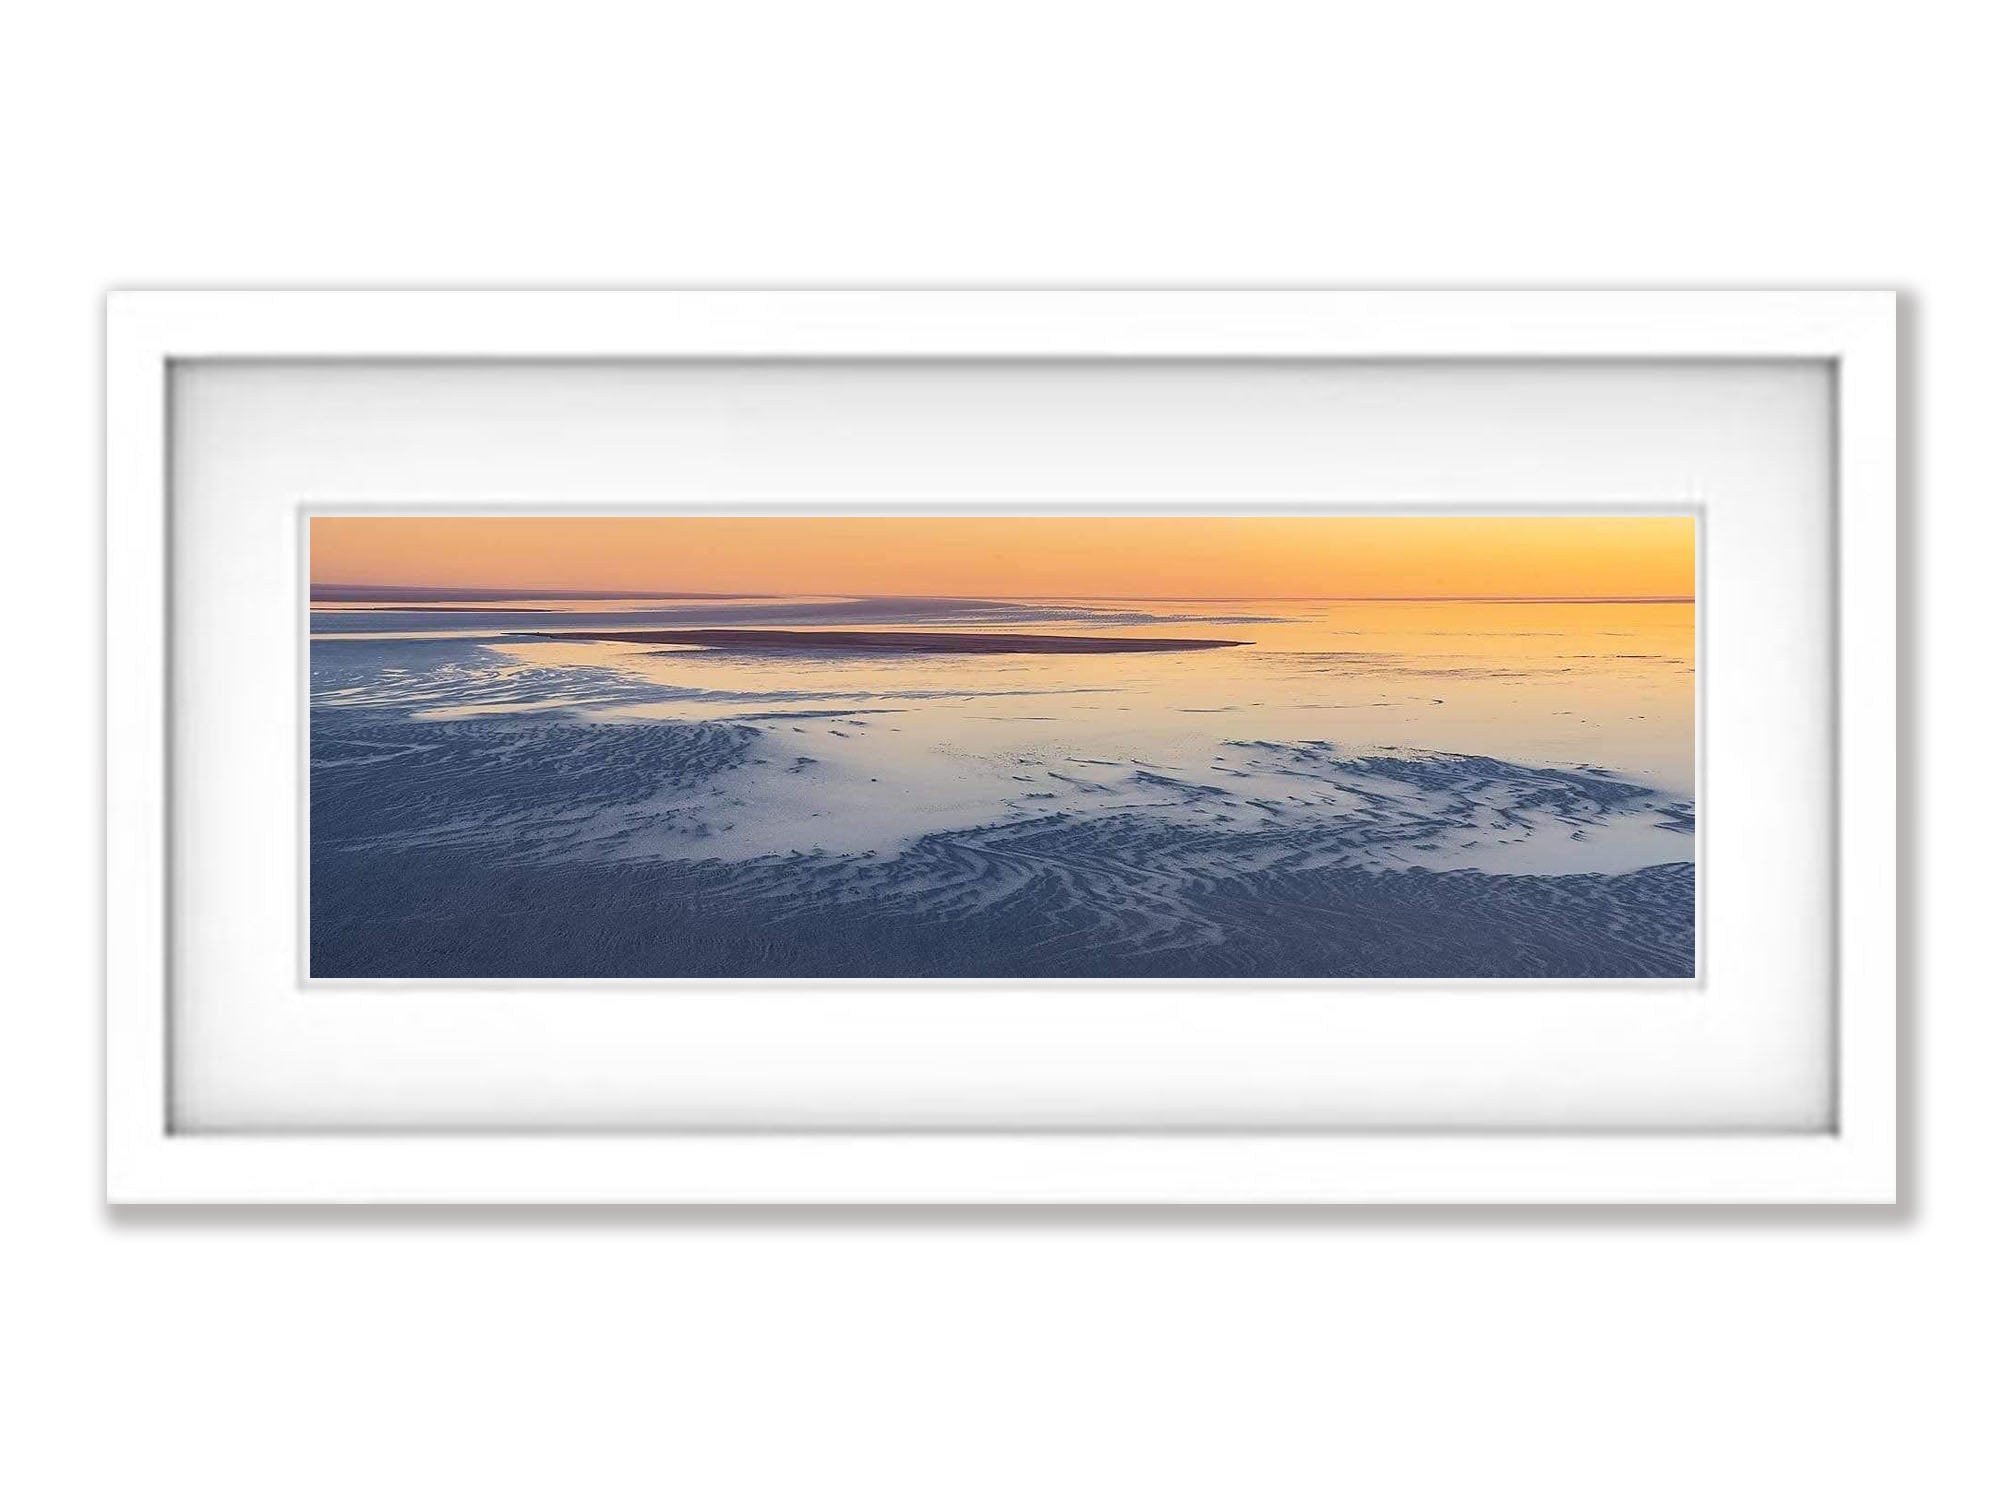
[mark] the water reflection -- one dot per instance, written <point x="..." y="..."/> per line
<point x="905" y="743"/>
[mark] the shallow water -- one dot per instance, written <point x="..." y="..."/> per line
<point x="1505" y="739"/>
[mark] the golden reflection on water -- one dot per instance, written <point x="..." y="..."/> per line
<point x="1603" y="684"/>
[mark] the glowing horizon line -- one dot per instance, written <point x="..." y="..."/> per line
<point x="417" y="591"/>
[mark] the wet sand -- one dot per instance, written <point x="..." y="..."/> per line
<point x="882" y="788"/>
<point x="536" y="843"/>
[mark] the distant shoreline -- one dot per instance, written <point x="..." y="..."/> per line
<point x="391" y="594"/>
<point x="896" y="642"/>
<point x="468" y="607"/>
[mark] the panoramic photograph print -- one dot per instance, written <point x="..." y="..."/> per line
<point x="1001" y="747"/>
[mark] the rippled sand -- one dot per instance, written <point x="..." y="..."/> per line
<point x="1420" y="791"/>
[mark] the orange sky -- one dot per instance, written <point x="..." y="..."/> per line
<point x="1022" y="556"/>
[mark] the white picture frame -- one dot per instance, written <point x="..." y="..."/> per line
<point x="148" y="1160"/>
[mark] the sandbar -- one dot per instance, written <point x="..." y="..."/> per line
<point x="897" y="642"/>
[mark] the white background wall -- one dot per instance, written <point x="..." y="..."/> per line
<point x="1447" y="1353"/>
